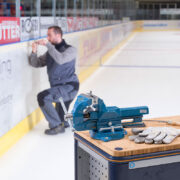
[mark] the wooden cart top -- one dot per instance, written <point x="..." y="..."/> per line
<point x="130" y="147"/>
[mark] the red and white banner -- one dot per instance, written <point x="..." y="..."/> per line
<point x="78" y="23"/>
<point x="9" y="30"/>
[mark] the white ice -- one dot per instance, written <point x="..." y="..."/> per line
<point x="145" y="71"/>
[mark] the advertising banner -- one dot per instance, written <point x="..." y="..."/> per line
<point x="62" y="22"/>
<point x="69" y="24"/>
<point x="78" y="23"/>
<point x="89" y="48"/>
<point x="9" y="30"/>
<point x="160" y="24"/>
<point x="29" y="28"/>
<point x="46" y="22"/>
<point x="155" y="24"/>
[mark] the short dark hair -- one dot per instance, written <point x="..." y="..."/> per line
<point x="56" y="29"/>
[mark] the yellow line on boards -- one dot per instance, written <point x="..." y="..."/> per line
<point x="17" y="132"/>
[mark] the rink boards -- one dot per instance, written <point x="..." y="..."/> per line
<point x="20" y="83"/>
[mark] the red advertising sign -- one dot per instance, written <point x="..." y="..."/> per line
<point x="78" y="23"/>
<point x="70" y="22"/>
<point x="9" y="30"/>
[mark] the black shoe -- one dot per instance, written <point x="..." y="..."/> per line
<point x="56" y="130"/>
<point x="66" y="124"/>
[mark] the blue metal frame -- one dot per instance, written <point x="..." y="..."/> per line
<point x="120" y="170"/>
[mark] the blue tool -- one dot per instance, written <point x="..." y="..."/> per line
<point x="104" y="123"/>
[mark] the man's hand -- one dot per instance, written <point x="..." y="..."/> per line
<point x="42" y="42"/>
<point x="34" y="47"/>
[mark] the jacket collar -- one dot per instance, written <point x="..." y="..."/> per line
<point x="61" y="44"/>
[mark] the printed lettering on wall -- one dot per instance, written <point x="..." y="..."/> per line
<point x="89" y="47"/>
<point x="5" y="69"/>
<point x="6" y="91"/>
<point x="105" y="37"/>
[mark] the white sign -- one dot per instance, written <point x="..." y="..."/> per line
<point x="62" y="22"/>
<point x="29" y="28"/>
<point x="45" y="23"/>
<point x="169" y="11"/>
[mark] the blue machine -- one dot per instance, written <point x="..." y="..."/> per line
<point x="104" y="123"/>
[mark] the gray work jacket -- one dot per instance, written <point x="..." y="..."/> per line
<point x="60" y="61"/>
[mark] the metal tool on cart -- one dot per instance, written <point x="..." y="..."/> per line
<point x="105" y="123"/>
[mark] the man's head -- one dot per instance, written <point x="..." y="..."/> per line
<point x="54" y="34"/>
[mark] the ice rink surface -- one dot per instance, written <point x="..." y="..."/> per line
<point x="145" y="71"/>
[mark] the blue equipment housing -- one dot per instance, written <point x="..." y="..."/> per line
<point x="104" y="123"/>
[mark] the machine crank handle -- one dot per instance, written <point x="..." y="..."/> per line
<point x="67" y="117"/>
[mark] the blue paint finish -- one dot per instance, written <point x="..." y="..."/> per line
<point x="160" y="172"/>
<point x="105" y="123"/>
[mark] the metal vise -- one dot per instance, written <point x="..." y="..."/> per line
<point x="104" y="123"/>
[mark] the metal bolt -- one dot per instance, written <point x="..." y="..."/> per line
<point x="110" y="123"/>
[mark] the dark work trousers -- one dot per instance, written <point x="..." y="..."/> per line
<point x="55" y="116"/>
